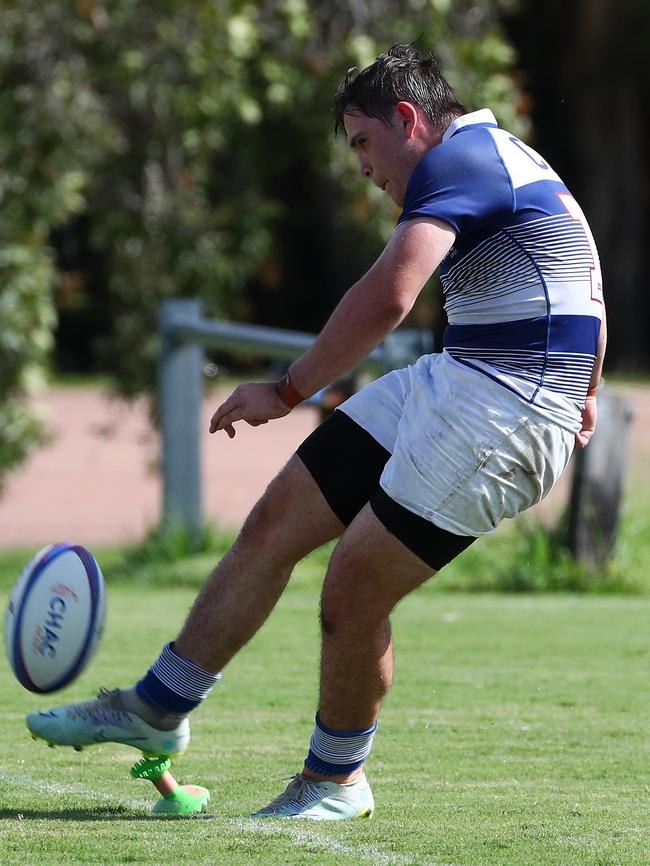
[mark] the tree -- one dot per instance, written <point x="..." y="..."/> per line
<point x="195" y="138"/>
<point x="42" y="182"/>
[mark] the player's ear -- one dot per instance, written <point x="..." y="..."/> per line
<point x="407" y="117"/>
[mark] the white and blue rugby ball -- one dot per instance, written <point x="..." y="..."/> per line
<point x="55" y="617"/>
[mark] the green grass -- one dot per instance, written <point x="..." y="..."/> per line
<point x="516" y="733"/>
<point x="525" y="556"/>
<point x="522" y="556"/>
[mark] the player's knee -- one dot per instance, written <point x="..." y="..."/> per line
<point x="345" y="601"/>
<point x="334" y="613"/>
<point x="353" y="595"/>
<point x="263" y="530"/>
<point x="343" y="609"/>
<point x="326" y="621"/>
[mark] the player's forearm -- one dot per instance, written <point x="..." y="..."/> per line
<point x="600" y="356"/>
<point x="374" y="306"/>
<point x="358" y="324"/>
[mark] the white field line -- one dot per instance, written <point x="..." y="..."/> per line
<point x="304" y="838"/>
<point x="300" y="837"/>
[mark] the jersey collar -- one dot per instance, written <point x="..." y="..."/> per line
<point x="483" y="117"/>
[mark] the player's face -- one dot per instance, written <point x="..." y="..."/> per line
<point x="387" y="152"/>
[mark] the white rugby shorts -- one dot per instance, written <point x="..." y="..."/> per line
<point x="465" y="451"/>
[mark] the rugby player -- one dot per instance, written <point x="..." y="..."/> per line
<point x="417" y="465"/>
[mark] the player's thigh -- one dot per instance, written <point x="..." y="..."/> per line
<point x="369" y="572"/>
<point x="292" y="517"/>
<point x="321" y="489"/>
<point x="346" y="463"/>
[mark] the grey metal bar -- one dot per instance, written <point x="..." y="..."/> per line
<point x="272" y="343"/>
<point x="181" y="391"/>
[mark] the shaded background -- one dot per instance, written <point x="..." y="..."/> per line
<point x="583" y="69"/>
<point x="161" y="149"/>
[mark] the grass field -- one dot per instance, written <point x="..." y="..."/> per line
<point x="516" y="733"/>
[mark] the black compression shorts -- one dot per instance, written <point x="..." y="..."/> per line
<point x="347" y="463"/>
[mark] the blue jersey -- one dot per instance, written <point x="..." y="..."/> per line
<point x="522" y="283"/>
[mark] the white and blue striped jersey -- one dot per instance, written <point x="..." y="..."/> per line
<point x="522" y="282"/>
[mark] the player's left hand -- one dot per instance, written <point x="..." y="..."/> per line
<point x="589" y="416"/>
<point x="255" y="403"/>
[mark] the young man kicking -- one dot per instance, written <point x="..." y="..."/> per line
<point x="413" y="468"/>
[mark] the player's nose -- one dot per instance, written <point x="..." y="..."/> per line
<point x="364" y="168"/>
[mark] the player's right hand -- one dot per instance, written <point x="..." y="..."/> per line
<point x="255" y="403"/>
<point x="589" y="417"/>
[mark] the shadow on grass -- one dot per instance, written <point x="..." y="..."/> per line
<point x="96" y="814"/>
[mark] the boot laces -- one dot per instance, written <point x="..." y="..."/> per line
<point x="104" y="711"/>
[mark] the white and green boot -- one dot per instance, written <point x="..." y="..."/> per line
<point x="110" y="718"/>
<point x="321" y="801"/>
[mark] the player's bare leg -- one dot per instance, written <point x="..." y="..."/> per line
<point x="369" y="573"/>
<point x="290" y="520"/>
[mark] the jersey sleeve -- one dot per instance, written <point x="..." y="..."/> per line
<point x="461" y="182"/>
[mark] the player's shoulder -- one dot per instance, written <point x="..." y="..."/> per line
<point x="464" y="167"/>
<point x="480" y="177"/>
<point x="467" y="158"/>
<point x="471" y="149"/>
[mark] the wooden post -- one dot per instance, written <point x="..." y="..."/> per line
<point x="599" y="469"/>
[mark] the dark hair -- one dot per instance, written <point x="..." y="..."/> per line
<point x="403" y="73"/>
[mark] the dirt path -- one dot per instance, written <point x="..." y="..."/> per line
<point x="96" y="482"/>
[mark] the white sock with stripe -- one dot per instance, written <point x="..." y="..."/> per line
<point x="336" y="753"/>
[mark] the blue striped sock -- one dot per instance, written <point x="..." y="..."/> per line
<point x="175" y="684"/>
<point x="335" y="753"/>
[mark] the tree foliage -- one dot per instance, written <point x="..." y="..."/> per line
<point x="42" y="182"/>
<point x="196" y="139"/>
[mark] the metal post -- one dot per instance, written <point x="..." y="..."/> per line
<point x="181" y="363"/>
<point x="183" y="335"/>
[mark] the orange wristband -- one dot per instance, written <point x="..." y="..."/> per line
<point x="288" y="393"/>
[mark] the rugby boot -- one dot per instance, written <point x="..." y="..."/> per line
<point x="321" y="801"/>
<point x="110" y="718"/>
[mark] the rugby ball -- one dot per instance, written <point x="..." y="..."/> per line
<point x="55" y="617"/>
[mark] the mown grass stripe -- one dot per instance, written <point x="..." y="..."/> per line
<point x="301" y="837"/>
<point x="73" y="790"/>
